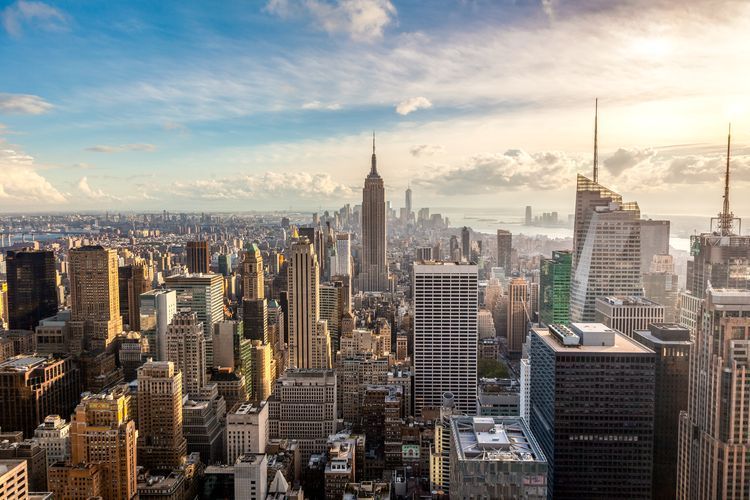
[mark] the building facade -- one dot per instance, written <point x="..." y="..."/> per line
<point x="373" y="271"/>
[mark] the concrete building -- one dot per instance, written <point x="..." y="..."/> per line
<point x="654" y="241"/>
<point x="498" y="398"/>
<point x="36" y="461"/>
<point x="250" y="477"/>
<point x="445" y="334"/>
<point x="661" y="285"/>
<point x="161" y="443"/>
<point x="133" y="280"/>
<point x="519" y="315"/>
<point x="713" y="460"/>
<point x="373" y="269"/>
<point x="672" y="346"/>
<point x="157" y="308"/>
<point x="339" y="468"/>
<point x="203" y="294"/>
<point x="52" y="335"/>
<point x="628" y="313"/>
<point x="202" y="417"/>
<point x="53" y="435"/>
<point x="592" y="410"/>
<point x="496" y="457"/>
<point x="303" y="407"/>
<point x="32" y="288"/>
<point x="14" y="481"/>
<point x="247" y="430"/>
<point x="186" y="348"/>
<point x="341" y="262"/>
<point x="504" y="250"/>
<point x="198" y="256"/>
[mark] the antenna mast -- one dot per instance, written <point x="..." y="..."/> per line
<point x="726" y="218"/>
<point x="596" y="140"/>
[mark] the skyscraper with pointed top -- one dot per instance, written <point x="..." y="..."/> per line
<point x="373" y="271"/>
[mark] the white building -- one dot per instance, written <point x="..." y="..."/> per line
<point x="627" y="314"/>
<point x="250" y="477"/>
<point x="186" y="348"/>
<point x="157" y="308"/>
<point x="341" y="264"/>
<point x="54" y="436"/>
<point x="525" y="389"/>
<point x="445" y="334"/>
<point x="247" y="430"/>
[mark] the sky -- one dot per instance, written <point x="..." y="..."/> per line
<point x="267" y="105"/>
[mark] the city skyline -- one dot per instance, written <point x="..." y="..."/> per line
<point x="184" y="108"/>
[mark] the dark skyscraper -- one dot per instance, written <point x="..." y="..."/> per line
<point x="132" y="282"/>
<point x="504" y="244"/>
<point x="554" y="288"/>
<point x="32" y="293"/>
<point x="466" y="244"/>
<point x="198" y="256"/>
<point x="373" y="273"/>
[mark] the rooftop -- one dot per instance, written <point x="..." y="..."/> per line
<point x="495" y="439"/>
<point x="628" y="300"/>
<point x="22" y="363"/>
<point x="620" y="344"/>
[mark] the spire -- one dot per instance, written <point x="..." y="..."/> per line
<point x="374" y="167"/>
<point x="726" y="218"/>
<point x="596" y="140"/>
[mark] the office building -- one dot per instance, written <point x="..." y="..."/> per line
<point x="203" y="294"/>
<point x="247" y="430"/>
<point x="654" y="241"/>
<point x="627" y="314"/>
<point x="202" y="426"/>
<point x="198" y="257"/>
<point x="498" y="398"/>
<point x="661" y="285"/>
<point x="606" y="249"/>
<point x="251" y="270"/>
<point x="157" y="308"/>
<point x="466" y="244"/>
<point x="309" y="339"/>
<point x="251" y="476"/>
<point x="519" y="315"/>
<point x="373" y="270"/>
<point x="53" y="435"/>
<point x="341" y="261"/>
<point x="161" y="443"/>
<point x="186" y="348"/>
<point x="35" y="457"/>
<point x="260" y="377"/>
<point x="33" y="387"/>
<point x="504" y="250"/>
<point x="14" y="480"/>
<point x="32" y="288"/>
<point x="94" y="298"/>
<point x="672" y="346"/>
<point x="592" y="411"/>
<point x="554" y="288"/>
<point x="52" y="334"/>
<point x="133" y="280"/>
<point x="103" y="433"/>
<point x="227" y="335"/>
<point x="340" y="467"/>
<point x="496" y="457"/>
<point x="303" y="407"/>
<point x="486" y="324"/>
<point x="713" y="440"/>
<point x="79" y="481"/>
<point x="445" y="334"/>
<point x="331" y="310"/>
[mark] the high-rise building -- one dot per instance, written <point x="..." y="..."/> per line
<point x="251" y="476"/>
<point x="260" y="377"/>
<point x="407" y="204"/>
<point x="528" y="219"/>
<point x="157" y="308"/>
<point x="672" y="346"/>
<point x="341" y="261"/>
<point x="519" y="314"/>
<point x="592" y="411"/>
<point x="373" y="271"/>
<point x="247" y="430"/>
<point x="554" y="288"/>
<point x="496" y="457"/>
<point x="661" y="285"/>
<point x="53" y="435"/>
<point x="133" y="280"/>
<point x="32" y="288"/>
<point x="94" y="297"/>
<point x="445" y="334"/>
<point x="466" y="244"/>
<point x="654" y="241"/>
<point x="186" y="348"/>
<point x="627" y="314"/>
<point x="33" y="387"/>
<point x="198" y="257"/>
<point x="713" y="440"/>
<point x="201" y="293"/>
<point x="251" y="270"/>
<point x="303" y="407"/>
<point x="102" y="432"/>
<point x="161" y="443"/>
<point x="309" y="339"/>
<point x="504" y="250"/>
<point x="606" y="249"/>
<point x="331" y="309"/>
<point x="14" y="480"/>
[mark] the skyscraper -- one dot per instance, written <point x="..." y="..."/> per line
<point x="373" y="272"/>
<point x="132" y="282"/>
<point x="654" y="241"/>
<point x="592" y="411"/>
<point x="554" y="288"/>
<point x="714" y="445"/>
<point x="94" y="296"/>
<point x="157" y="308"/>
<point x="251" y="270"/>
<point x="186" y="348"/>
<point x="341" y="262"/>
<point x="407" y="203"/>
<point x="519" y="314"/>
<point x="201" y="293"/>
<point x="32" y="288"/>
<point x="607" y="249"/>
<point x="627" y="314"/>
<point x="466" y="244"/>
<point x="504" y="241"/>
<point x="198" y="257"/>
<point x="307" y="334"/>
<point x="445" y="334"/>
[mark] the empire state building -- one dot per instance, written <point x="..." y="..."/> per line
<point x="373" y="272"/>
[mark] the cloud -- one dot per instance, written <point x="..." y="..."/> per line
<point x="94" y="194"/>
<point x="426" y="150"/>
<point x="20" y="182"/>
<point x="146" y="148"/>
<point x="623" y="159"/>
<point x="412" y="104"/>
<point x="362" y="20"/>
<point x="26" y="13"/>
<point x="172" y="126"/>
<point x="319" y="105"/>
<point x="269" y="185"/>
<point x="24" y="104"/>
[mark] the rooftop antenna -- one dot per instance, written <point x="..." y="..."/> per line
<point x="726" y="217"/>
<point x="596" y="140"/>
<point x="374" y="168"/>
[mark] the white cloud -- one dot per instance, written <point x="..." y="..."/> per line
<point x="319" y="105"/>
<point x="362" y="20"/>
<point x="21" y="183"/>
<point x="94" y="194"/>
<point x="29" y="13"/>
<point x="412" y="104"/>
<point x="426" y="150"/>
<point x="25" y="104"/>
<point x="146" y="148"/>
